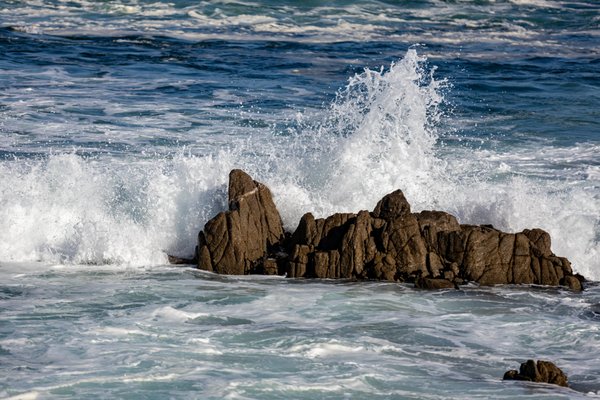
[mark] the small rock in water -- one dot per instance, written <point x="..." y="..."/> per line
<point x="434" y="284"/>
<point x="541" y="372"/>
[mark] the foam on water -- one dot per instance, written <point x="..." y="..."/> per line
<point x="238" y="20"/>
<point x="69" y="209"/>
<point x="375" y="339"/>
<point x="381" y="133"/>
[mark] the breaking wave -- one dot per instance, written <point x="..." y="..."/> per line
<point x="380" y="133"/>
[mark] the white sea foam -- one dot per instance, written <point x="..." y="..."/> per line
<point x="380" y="134"/>
<point x="173" y="314"/>
<point x="248" y="20"/>
<point x="538" y="3"/>
<point x="69" y="209"/>
<point x="114" y="331"/>
<point x="331" y="349"/>
<point x="25" y="396"/>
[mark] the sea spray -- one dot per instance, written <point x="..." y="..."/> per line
<point x="378" y="135"/>
<point x="381" y="133"/>
<point x="386" y="123"/>
<point x="71" y="209"/>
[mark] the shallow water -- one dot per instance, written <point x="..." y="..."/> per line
<point x="120" y="121"/>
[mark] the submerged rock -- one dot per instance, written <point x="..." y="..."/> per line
<point x="390" y="243"/>
<point x="542" y="372"/>
<point x="434" y="284"/>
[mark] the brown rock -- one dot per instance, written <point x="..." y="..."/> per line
<point x="429" y="248"/>
<point x="449" y="275"/>
<point x="355" y="246"/>
<point x="385" y="244"/>
<point x="513" y="375"/>
<point x="540" y="240"/>
<point x="391" y="243"/>
<point x="237" y="241"/>
<point x="391" y="206"/>
<point x="306" y="232"/>
<point x="270" y="267"/>
<point x="542" y="372"/>
<point x="572" y="283"/>
<point x="327" y="264"/>
<point x="434" y="264"/>
<point x="432" y="223"/>
<point x="434" y="284"/>
<point x="489" y="257"/>
<point x="298" y="261"/>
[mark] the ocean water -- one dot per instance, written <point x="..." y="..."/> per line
<point x="121" y="119"/>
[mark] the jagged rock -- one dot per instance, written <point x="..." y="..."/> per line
<point x="542" y="372"/>
<point x="385" y="244"/>
<point x="391" y="206"/>
<point x="270" y="267"/>
<point x="489" y="256"/>
<point x="391" y="243"/>
<point x="238" y="241"/>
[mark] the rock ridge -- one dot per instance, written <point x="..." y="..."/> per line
<point x="391" y="243"/>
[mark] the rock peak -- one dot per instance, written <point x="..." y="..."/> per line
<point x="240" y="184"/>
<point x="392" y="205"/>
<point x="237" y="241"/>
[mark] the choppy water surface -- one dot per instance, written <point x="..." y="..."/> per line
<point x="76" y="331"/>
<point x="120" y="120"/>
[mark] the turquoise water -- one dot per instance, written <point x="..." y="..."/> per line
<point x="119" y="123"/>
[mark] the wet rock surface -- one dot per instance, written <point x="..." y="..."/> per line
<point x="429" y="248"/>
<point x="540" y="371"/>
<point x="238" y="241"/>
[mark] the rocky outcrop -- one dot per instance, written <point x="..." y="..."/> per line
<point x="237" y="241"/>
<point x="390" y="243"/>
<point x="542" y="372"/>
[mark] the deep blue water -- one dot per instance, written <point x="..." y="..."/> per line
<point x="120" y="120"/>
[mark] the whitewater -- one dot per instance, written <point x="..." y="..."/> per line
<point x="119" y="124"/>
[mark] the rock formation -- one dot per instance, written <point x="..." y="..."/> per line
<point x="391" y="243"/>
<point x="237" y="241"/>
<point x="542" y="371"/>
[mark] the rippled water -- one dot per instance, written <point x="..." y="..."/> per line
<point x="119" y="123"/>
<point x="182" y="333"/>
